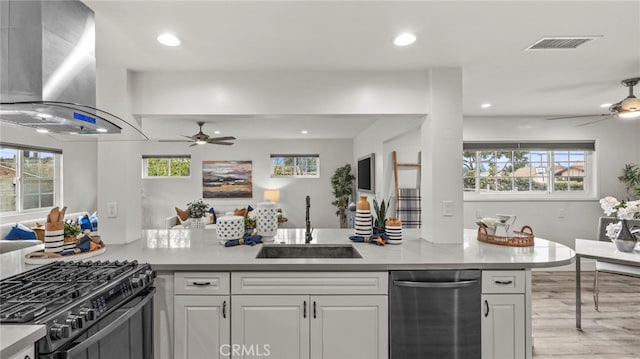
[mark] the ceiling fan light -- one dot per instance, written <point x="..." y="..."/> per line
<point x="631" y="104"/>
<point x="201" y="142"/>
<point x="630" y="114"/>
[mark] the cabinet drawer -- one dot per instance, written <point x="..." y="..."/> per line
<point x="309" y="283"/>
<point x="201" y="283"/>
<point x="503" y="281"/>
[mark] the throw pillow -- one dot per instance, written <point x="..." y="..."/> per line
<point x="20" y="232"/>
<point x="183" y="215"/>
<point x="85" y="223"/>
<point x="94" y="221"/>
<point x="240" y="212"/>
<point x="213" y="218"/>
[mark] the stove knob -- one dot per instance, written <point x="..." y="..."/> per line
<point x="60" y="331"/>
<point x="136" y="282"/>
<point x="71" y="321"/>
<point x="88" y="313"/>
<point x="79" y="319"/>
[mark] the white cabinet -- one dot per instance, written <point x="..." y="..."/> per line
<point x="26" y="353"/>
<point x="505" y="307"/>
<point x="202" y="315"/>
<point x="271" y="324"/>
<point x="310" y="315"/>
<point x="503" y="326"/>
<point x="349" y="326"/>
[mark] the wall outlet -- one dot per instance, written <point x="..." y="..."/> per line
<point x="561" y="213"/>
<point x="112" y="209"/>
<point x="447" y="208"/>
<point x="479" y="213"/>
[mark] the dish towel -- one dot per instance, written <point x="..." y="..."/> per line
<point x="247" y="239"/>
<point x="376" y="238"/>
<point x="409" y="210"/>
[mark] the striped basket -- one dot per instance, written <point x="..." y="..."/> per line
<point x="54" y="237"/>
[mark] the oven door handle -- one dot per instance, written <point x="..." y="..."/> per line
<point x="102" y="333"/>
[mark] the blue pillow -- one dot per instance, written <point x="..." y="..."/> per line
<point x="214" y="217"/>
<point x="20" y="232"/>
<point x="249" y="208"/>
<point x="85" y="223"/>
<point x="94" y="221"/>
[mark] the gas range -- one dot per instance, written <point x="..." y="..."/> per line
<point x="71" y="297"/>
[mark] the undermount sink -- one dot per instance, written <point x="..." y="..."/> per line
<point x="10" y="246"/>
<point x="308" y="251"/>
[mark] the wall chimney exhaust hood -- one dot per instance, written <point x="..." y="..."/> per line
<point x="47" y="69"/>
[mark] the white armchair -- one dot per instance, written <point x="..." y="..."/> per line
<point x="611" y="267"/>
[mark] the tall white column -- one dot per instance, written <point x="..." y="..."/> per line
<point x="441" y="146"/>
<point x="119" y="163"/>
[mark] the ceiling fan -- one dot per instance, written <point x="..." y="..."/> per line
<point x="202" y="138"/>
<point x="629" y="107"/>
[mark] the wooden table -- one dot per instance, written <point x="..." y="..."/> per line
<point x="602" y="251"/>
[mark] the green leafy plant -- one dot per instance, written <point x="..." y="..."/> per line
<point x="249" y="223"/>
<point x="197" y="209"/>
<point x="71" y="228"/>
<point x="342" y="183"/>
<point x="381" y="213"/>
<point x="631" y="179"/>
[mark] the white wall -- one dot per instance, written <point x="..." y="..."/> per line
<point x="160" y="196"/>
<point x="280" y="92"/>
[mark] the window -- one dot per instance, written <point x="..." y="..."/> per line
<point x="528" y="168"/>
<point x="29" y="178"/>
<point x="298" y="166"/>
<point x="166" y="166"/>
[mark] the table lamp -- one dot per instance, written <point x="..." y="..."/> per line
<point x="272" y="195"/>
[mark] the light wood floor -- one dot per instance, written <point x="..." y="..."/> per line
<point x="612" y="332"/>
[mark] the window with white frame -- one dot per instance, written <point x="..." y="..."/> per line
<point x="166" y="166"/>
<point x="297" y="166"/>
<point x="29" y="178"/>
<point x="527" y="168"/>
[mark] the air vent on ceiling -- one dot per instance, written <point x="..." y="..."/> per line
<point x="560" y="43"/>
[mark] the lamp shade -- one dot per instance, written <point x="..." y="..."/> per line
<point x="272" y="195"/>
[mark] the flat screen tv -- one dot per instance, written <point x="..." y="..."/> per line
<point x="365" y="173"/>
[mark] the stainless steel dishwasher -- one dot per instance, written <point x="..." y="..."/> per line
<point x="435" y="314"/>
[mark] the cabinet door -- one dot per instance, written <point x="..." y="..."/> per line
<point x="349" y="327"/>
<point x="275" y="326"/>
<point x="202" y="326"/>
<point x="503" y="326"/>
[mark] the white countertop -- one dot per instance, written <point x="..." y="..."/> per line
<point x="14" y="338"/>
<point x="183" y="249"/>
<point x="607" y="251"/>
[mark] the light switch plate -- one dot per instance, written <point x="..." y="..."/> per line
<point x="447" y="208"/>
<point x="112" y="209"/>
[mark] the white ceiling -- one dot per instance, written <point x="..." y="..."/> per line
<point x="486" y="38"/>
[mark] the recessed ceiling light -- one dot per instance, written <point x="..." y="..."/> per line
<point x="606" y="105"/>
<point x="404" y="39"/>
<point x="485" y="105"/>
<point x="304" y="132"/>
<point x="216" y="132"/>
<point x="167" y="39"/>
<point x="42" y="130"/>
<point x="101" y="130"/>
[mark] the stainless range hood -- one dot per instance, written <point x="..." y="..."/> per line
<point x="47" y="68"/>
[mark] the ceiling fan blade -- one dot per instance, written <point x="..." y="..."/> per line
<point x="577" y="116"/>
<point x="226" y="138"/>
<point x="189" y="137"/>
<point x="193" y="144"/>
<point x="220" y="143"/>
<point x="174" y="141"/>
<point x="596" y="121"/>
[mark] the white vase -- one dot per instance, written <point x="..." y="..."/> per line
<point x="267" y="219"/>
<point x="196" y="223"/>
<point x="230" y="227"/>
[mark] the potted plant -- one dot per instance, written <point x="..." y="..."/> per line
<point x="71" y="229"/>
<point x="381" y="214"/>
<point x="197" y="210"/>
<point x="342" y="183"/>
<point x="631" y="179"/>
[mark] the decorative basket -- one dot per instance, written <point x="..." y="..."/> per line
<point x="522" y="238"/>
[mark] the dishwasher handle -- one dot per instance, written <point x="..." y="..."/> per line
<point x="411" y="284"/>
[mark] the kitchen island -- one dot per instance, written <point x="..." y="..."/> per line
<point x="194" y="270"/>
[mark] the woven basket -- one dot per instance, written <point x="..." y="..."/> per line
<point x="523" y="238"/>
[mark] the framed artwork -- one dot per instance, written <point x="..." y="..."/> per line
<point x="227" y="179"/>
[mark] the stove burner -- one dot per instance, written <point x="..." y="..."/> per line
<point x="27" y="296"/>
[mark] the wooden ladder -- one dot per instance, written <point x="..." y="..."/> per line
<point x="410" y="165"/>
